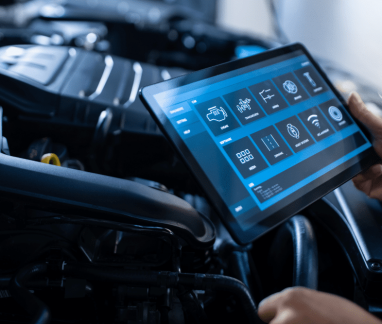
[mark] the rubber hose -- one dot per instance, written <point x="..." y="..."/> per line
<point x="224" y="284"/>
<point x="239" y="265"/>
<point x="298" y="232"/>
<point x="305" y="252"/>
<point x="170" y="280"/>
<point x="34" y="306"/>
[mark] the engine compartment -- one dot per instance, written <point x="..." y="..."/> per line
<point x="121" y="232"/>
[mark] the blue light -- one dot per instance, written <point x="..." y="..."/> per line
<point x="248" y="50"/>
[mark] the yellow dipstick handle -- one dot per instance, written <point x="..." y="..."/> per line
<point x="51" y="157"/>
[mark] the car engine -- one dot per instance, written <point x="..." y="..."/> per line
<point x="100" y="220"/>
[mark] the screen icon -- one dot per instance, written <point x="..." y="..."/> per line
<point x="290" y="87"/>
<point x="244" y="156"/>
<point x="335" y="113"/>
<point x="316" y="123"/>
<point x="313" y="119"/>
<point x="266" y="95"/>
<point x="216" y="114"/>
<point x="310" y="79"/>
<point x="243" y="105"/>
<point x="293" y="131"/>
<point x="312" y="82"/>
<point x="270" y="142"/>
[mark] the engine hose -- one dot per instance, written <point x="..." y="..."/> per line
<point x="34" y="306"/>
<point x="223" y="284"/>
<point x="305" y="268"/>
<point x="305" y="252"/>
<point x="170" y="280"/>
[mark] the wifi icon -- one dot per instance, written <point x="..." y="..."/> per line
<point x="314" y="120"/>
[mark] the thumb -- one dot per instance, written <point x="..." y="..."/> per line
<point x="365" y="116"/>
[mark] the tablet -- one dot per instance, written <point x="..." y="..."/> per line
<point x="265" y="136"/>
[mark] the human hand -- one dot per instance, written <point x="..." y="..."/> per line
<point x="369" y="181"/>
<point x="304" y="306"/>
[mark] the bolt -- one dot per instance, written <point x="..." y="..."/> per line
<point x="376" y="266"/>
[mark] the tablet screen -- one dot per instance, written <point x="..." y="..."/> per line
<point x="263" y="135"/>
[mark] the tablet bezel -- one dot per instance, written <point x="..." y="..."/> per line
<point x="364" y="160"/>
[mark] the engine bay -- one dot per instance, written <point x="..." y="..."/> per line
<point x="121" y="232"/>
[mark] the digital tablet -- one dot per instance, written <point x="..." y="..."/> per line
<point x="265" y="136"/>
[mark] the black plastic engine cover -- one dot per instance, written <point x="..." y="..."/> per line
<point x="71" y="86"/>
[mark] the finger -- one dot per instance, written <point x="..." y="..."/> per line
<point x="363" y="185"/>
<point x="285" y="316"/>
<point x="369" y="180"/>
<point x="268" y="308"/>
<point x="375" y="170"/>
<point x="376" y="189"/>
<point x="359" y="178"/>
<point x="371" y="173"/>
<point x="364" y="181"/>
<point x="365" y="116"/>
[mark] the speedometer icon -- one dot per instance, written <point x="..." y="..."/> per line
<point x="335" y="113"/>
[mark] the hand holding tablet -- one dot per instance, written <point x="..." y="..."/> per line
<point x="265" y="136"/>
<point x="370" y="181"/>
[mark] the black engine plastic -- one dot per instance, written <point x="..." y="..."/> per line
<point x="72" y="86"/>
